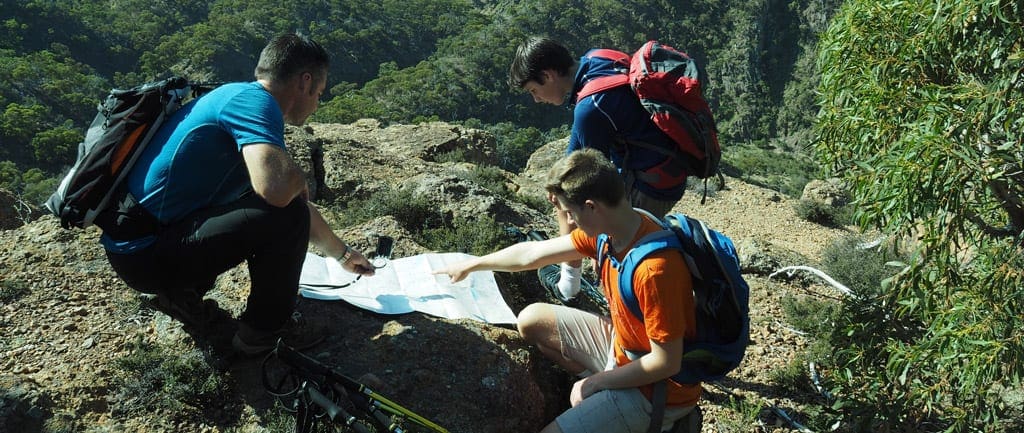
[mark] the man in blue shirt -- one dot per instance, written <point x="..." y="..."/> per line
<point x="605" y="121"/>
<point x="219" y="187"/>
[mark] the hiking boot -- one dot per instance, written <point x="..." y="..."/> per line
<point x="296" y="333"/>
<point x="549" y="276"/>
<point x="188" y="307"/>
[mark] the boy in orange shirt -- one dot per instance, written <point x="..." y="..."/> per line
<point x="615" y="390"/>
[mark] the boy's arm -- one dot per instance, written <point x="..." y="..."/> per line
<point x="662" y="362"/>
<point x="517" y="257"/>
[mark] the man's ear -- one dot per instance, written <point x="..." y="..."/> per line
<point x="304" y="82"/>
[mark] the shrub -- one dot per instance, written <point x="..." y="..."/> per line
<point x="785" y="172"/>
<point x="11" y="291"/>
<point x="862" y="269"/>
<point x="154" y="379"/>
<point x="821" y="213"/>
<point x="429" y="226"/>
<point x="491" y="178"/>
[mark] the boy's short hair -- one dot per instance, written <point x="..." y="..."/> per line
<point x="290" y="54"/>
<point x="536" y="55"/>
<point x="586" y="175"/>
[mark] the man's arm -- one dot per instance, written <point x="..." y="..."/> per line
<point x="278" y="180"/>
<point x="321" y="236"/>
<point x="662" y="362"/>
<point x="274" y="175"/>
<point x="517" y="257"/>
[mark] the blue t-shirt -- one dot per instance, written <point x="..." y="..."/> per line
<point x="601" y="119"/>
<point x="195" y="162"/>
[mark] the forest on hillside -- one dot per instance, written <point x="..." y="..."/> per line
<point x="406" y="61"/>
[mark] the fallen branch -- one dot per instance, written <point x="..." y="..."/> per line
<point x="789" y="270"/>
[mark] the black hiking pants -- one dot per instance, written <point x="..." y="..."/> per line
<point x="190" y="254"/>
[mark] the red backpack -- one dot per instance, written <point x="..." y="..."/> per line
<point x="668" y="83"/>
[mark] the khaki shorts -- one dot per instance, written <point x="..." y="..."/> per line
<point x="587" y="338"/>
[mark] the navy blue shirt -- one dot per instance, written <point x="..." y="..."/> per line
<point x="601" y="119"/>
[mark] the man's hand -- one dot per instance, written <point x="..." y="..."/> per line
<point x="358" y="264"/>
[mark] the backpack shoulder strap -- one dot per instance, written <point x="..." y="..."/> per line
<point x="613" y="55"/>
<point x="602" y="243"/>
<point x="606" y="82"/>
<point x="645" y="246"/>
<point x="601" y="84"/>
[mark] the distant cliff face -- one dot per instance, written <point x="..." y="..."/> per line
<point x="66" y="319"/>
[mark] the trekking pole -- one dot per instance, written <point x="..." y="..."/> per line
<point x="375" y="401"/>
<point x="333" y="411"/>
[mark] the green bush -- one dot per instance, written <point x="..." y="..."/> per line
<point x="922" y="113"/>
<point x="478" y="236"/>
<point x="11" y="291"/>
<point x="821" y="213"/>
<point x="851" y="262"/>
<point x="491" y="178"/>
<point x="817" y="319"/>
<point x="155" y="379"/>
<point x="429" y="226"/>
<point x="783" y="171"/>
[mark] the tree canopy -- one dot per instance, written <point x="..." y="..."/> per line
<point x="922" y="112"/>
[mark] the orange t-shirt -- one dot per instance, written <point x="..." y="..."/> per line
<point x="664" y="291"/>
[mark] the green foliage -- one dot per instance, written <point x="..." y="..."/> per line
<point x="922" y="111"/>
<point x="784" y="171"/>
<point x="10" y="176"/>
<point x="477" y="236"/>
<point x="431" y="227"/>
<point x="410" y="61"/>
<point x="12" y="290"/>
<point x="824" y="214"/>
<point x="57" y="145"/>
<point x="21" y="122"/>
<point x="817" y="318"/>
<point x="859" y="264"/>
<point x="37" y="186"/>
<point x="514" y="145"/>
<point x="154" y="379"/>
<point x="33" y="185"/>
<point x="491" y="178"/>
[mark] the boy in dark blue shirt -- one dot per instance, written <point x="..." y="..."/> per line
<point x="606" y="121"/>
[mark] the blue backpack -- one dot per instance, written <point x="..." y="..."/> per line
<point x="720" y="294"/>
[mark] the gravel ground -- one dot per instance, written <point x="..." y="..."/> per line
<point x="66" y="320"/>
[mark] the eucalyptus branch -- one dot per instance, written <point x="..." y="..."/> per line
<point x="988" y="229"/>
<point x="1011" y="203"/>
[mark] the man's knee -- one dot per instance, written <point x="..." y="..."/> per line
<point x="536" y="322"/>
